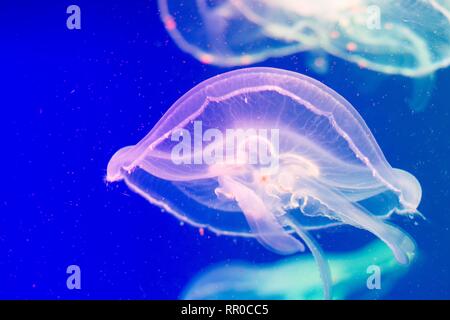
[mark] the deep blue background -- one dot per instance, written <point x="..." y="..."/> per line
<point x="70" y="99"/>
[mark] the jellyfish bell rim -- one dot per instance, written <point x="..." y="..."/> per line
<point x="411" y="190"/>
<point x="117" y="163"/>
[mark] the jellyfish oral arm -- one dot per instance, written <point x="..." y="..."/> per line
<point x="264" y="224"/>
<point x="324" y="268"/>
<point x="352" y="213"/>
<point x="269" y="230"/>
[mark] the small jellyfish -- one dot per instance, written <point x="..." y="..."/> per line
<point x="270" y="154"/>
<point x="366" y="273"/>
<point x="406" y="37"/>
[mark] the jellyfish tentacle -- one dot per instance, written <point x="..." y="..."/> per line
<point x="322" y="263"/>
<point x="422" y="91"/>
<point x="266" y="228"/>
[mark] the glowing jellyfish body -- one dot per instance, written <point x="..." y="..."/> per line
<point x="297" y="277"/>
<point x="269" y="154"/>
<point x="408" y="37"/>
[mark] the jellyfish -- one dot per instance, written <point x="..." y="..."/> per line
<point x="369" y="272"/>
<point x="405" y="37"/>
<point x="273" y="155"/>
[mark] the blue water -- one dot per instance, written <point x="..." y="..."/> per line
<point x="71" y="98"/>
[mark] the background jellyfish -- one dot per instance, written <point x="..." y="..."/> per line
<point x="329" y="169"/>
<point x="407" y="37"/>
<point x="297" y="278"/>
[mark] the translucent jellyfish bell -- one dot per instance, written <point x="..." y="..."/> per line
<point x="296" y="278"/>
<point x="216" y="32"/>
<point x="270" y="154"/>
<point x="405" y="37"/>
